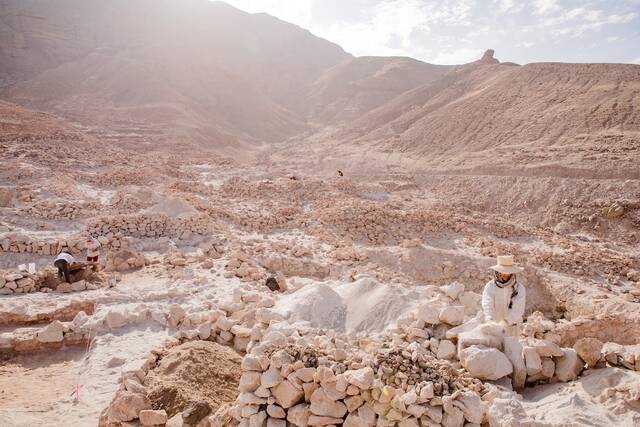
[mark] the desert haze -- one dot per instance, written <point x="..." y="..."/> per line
<point x="215" y="218"/>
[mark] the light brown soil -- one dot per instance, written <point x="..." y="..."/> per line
<point x="197" y="370"/>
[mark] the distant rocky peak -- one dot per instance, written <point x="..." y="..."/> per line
<point x="487" y="57"/>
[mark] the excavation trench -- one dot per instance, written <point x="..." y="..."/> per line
<point x="43" y="315"/>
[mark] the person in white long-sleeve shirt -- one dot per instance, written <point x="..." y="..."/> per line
<point x="503" y="298"/>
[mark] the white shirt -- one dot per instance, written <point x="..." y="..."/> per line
<point x="65" y="256"/>
<point x="495" y="303"/>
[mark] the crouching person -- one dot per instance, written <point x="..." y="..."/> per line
<point x="503" y="298"/>
<point x="63" y="262"/>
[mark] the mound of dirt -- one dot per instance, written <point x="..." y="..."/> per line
<point x="317" y="304"/>
<point x="365" y="305"/>
<point x="194" y="371"/>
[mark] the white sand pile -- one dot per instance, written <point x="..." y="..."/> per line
<point x="318" y="304"/>
<point x="602" y="397"/>
<point x="172" y="207"/>
<point x="374" y="306"/>
<point x="365" y="305"/>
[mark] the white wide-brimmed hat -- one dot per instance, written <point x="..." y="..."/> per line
<point x="506" y="265"/>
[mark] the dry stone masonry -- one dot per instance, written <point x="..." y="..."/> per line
<point x="430" y="370"/>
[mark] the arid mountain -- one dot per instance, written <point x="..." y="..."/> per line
<point x="189" y="69"/>
<point x="548" y="116"/>
<point x="149" y="71"/>
<point x="352" y="88"/>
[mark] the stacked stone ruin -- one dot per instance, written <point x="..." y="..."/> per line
<point x="13" y="282"/>
<point x="22" y="244"/>
<point x="428" y="371"/>
<point x="149" y="225"/>
<point x="58" y="210"/>
<point x="45" y="280"/>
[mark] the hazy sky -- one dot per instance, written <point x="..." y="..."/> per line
<point x="458" y="31"/>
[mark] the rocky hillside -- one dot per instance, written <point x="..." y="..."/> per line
<point x="149" y="71"/>
<point x="547" y="117"/>
<point x="352" y="88"/>
<point x="192" y="69"/>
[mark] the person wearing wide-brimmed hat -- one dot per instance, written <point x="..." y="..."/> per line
<point x="503" y="298"/>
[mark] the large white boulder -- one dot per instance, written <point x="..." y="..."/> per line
<point x="115" y="319"/>
<point x="446" y="350"/>
<point x="546" y="348"/>
<point x="485" y="363"/>
<point x="471" y="406"/>
<point x="453" y="290"/>
<point x="532" y="361"/>
<point x="53" y="332"/>
<point x="429" y="312"/>
<point x="485" y="334"/>
<point x="79" y="320"/>
<point x="515" y="353"/>
<point x="452" y="315"/>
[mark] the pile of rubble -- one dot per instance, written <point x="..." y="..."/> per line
<point x="19" y="282"/>
<point x="150" y="225"/>
<point x="308" y="386"/>
<point x="23" y="244"/>
<point x="58" y="210"/>
<point x="244" y="267"/>
<point x="429" y="370"/>
<point x="124" y="257"/>
<point x="584" y="259"/>
<point x="384" y="223"/>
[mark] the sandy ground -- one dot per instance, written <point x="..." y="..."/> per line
<point x="37" y="389"/>
<point x="602" y="397"/>
<point x="361" y="249"/>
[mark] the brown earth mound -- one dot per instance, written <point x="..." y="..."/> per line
<point x="194" y="371"/>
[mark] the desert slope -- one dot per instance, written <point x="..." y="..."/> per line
<point x="538" y="115"/>
<point x="350" y="89"/>
<point x="188" y="70"/>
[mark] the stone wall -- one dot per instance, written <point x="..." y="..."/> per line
<point x="14" y="282"/>
<point x="58" y="210"/>
<point x="149" y="225"/>
<point x="47" y="280"/>
<point x="22" y="244"/>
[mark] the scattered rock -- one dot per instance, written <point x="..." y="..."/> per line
<point x="569" y="366"/>
<point x="150" y="417"/>
<point x="589" y="350"/>
<point x="195" y="411"/>
<point x="126" y="406"/>
<point x="53" y="332"/>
